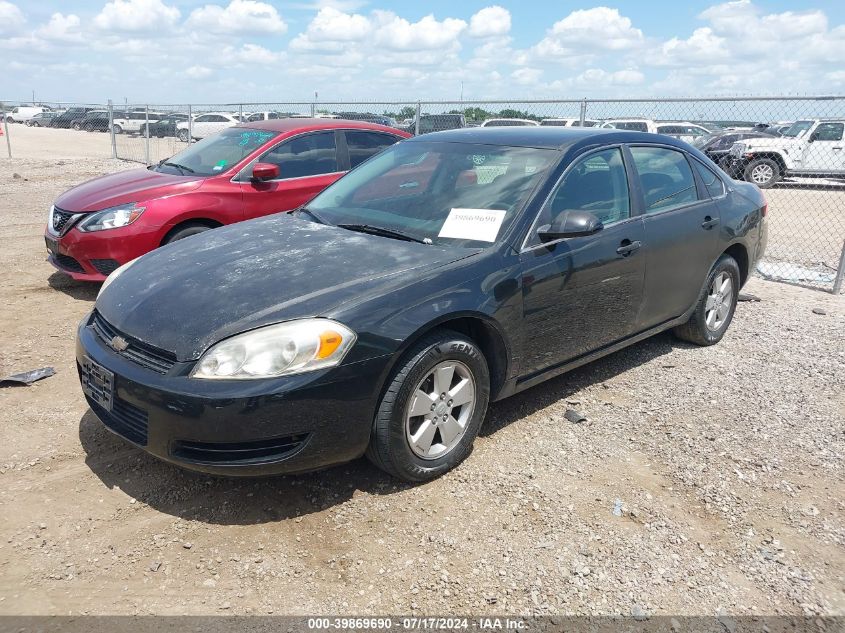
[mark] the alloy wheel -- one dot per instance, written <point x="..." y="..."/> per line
<point x="440" y="409"/>
<point x="761" y="174"/>
<point x="719" y="301"/>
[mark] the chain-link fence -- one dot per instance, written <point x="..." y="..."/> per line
<point x="793" y="147"/>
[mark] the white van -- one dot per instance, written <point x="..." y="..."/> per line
<point x="24" y="113"/>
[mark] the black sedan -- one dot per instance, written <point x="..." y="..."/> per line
<point x="166" y="126"/>
<point x="448" y="271"/>
<point x="717" y="147"/>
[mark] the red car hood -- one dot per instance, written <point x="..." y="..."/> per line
<point x="135" y="185"/>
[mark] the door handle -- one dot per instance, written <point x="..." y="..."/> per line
<point x="837" y="149"/>
<point x="627" y="247"/>
<point x="709" y="222"/>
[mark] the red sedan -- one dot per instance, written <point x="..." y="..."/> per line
<point x="243" y="172"/>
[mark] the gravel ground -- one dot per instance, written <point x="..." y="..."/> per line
<point x="726" y="465"/>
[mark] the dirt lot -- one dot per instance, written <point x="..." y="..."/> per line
<point x="728" y="462"/>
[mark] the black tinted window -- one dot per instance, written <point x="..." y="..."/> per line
<point x="597" y="184"/>
<point x="363" y="144"/>
<point x="828" y="132"/>
<point x="713" y="183"/>
<point x="666" y="178"/>
<point x="308" y="155"/>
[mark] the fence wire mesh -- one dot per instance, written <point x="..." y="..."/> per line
<point x="793" y="147"/>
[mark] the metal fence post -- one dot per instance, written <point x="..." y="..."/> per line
<point x="840" y="272"/>
<point x="111" y="130"/>
<point x="313" y="109"/>
<point x="583" y="111"/>
<point x="417" y="120"/>
<point x="190" y="125"/>
<point x="147" y="134"/>
<point x="241" y="112"/>
<point x="6" y="132"/>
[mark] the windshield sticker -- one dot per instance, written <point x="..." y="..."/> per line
<point x="220" y="165"/>
<point x="254" y="137"/>
<point x="473" y="224"/>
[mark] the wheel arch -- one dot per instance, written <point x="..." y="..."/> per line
<point x="740" y="254"/>
<point x="775" y="156"/>
<point x="190" y="221"/>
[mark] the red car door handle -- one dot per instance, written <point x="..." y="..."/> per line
<point x="709" y="223"/>
<point x="627" y="247"/>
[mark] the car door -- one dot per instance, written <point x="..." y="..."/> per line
<point x="199" y="127"/>
<point x="681" y="224"/>
<point x="583" y="293"/>
<point x="363" y="144"/>
<point x="308" y="163"/>
<point x="825" y="150"/>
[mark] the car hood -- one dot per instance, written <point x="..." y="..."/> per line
<point x="771" y="143"/>
<point x="134" y="185"/>
<point x="188" y="295"/>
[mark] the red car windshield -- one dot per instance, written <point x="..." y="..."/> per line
<point x="216" y="154"/>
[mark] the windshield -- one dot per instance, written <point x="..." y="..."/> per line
<point x="457" y="194"/>
<point x="215" y="154"/>
<point x="797" y="129"/>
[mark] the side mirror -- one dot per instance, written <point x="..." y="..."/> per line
<point x="265" y="171"/>
<point x="570" y="223"/>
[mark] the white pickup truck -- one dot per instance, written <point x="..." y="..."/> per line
<point x="810" y="147"/>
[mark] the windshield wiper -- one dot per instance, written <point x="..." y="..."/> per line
<point x="313" y="214"/>
<point x="384" y="232"/>
<point x="181" y="168"/>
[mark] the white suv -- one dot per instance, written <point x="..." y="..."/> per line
<point x="810" y="147"/>
<point x="22" y="114"/>
<point x="682" y="130"/>
<point x="133" y="122"/>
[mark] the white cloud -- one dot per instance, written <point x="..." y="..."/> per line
<point x="331" y="25"/>
<point x="590" y="30"/>
<point x="11" y="18"/>
<point x="198" y="72"/>
<point x="61" y="28"/>
<point x="600" y="77"/>
<point x="396" y="33"/>
<point x="527" y="76"/>
<point x="490" y="22"/>
<point x="239" y="16"/>
<point x="137" y="15"/>
<point x="251" y="54"/>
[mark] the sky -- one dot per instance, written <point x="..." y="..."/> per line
<point x="209" y="51"/>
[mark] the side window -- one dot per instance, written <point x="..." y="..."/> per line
<point x="597" y="184"/>
<point x="670" y="129"/>
<point x="828" y="132"/>
<point x="363" y="144"/>
<point x="714" y="184"/>
<point x="202" y="119"/>
<point x="308" y="155"/>
<point x="665" y="176"/>
<point x="258" y="116"/>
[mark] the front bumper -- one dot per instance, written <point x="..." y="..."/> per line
<point x="92" y="256"/>
<point x="235" y="427"/>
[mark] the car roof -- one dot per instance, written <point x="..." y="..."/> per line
<point x="546" y="137"/>
<point x="303" y="125"/>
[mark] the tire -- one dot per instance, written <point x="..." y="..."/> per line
<point x="187" y="230"/>
<point x="76" y="126"/>
<point x="391" y="446"/>
<point x="28" y="123"/>
<point x="116" y="129"/>
<point x="727" y="166"/>
<point x="763" y="172"/>
<point x="713" y="314"/>
<point x="182" y="135"/>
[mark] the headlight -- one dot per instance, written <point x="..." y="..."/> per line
<point x="277" y="350"/>
<point x="111" y="218"/>
<point x="737" y="149"/>
<point x="115" y="274"/>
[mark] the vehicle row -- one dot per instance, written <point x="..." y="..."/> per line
<point x="379" y="312"/>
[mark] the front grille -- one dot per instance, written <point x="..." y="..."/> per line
<point x="148" y="356"/>
<point x="68" y="263"/>
<point x="105" y="266"/>
<point x="59" y="219"/>
<point x="125" y="419"/>
<point x="240" y="453"/>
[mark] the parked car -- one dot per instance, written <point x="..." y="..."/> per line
<point x="681" y="130"/>
<point x="22" y="114"/>
<point x="717" y="147"/>
<point x="206" y="124"/>
<point x="243" y="172"/>
<point x="92" y="120"/>
<point x="166" y="126"/>
<point x="811" y="147"/>
<point x="508" y="123"/>
<point x="571" y="122"/>
<point x="367" y="116"/>
<point x="250" y="117"/>
<point x="133" y="121"/>
<point x="66" y="118"/>
<point x="385" y="315"/>
<point x="41" y="119"/>
<point x="438" y="123"/>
